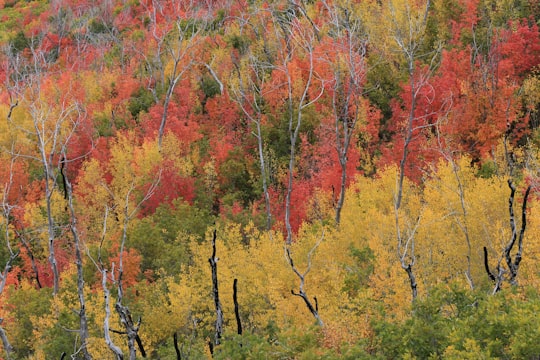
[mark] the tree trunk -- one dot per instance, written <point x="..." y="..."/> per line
<point x="83" y="320"/>
<point x="215" y="292"/>
<point x="236" y="307"/>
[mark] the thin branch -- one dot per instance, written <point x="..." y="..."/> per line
<point x="314" y="309"/>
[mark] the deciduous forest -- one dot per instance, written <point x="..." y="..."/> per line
<point x="255" y="179"/>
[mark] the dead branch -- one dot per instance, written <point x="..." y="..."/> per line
<point x="512" y="264"/>
<point x="314" y="309"/>
<point x="236" y="307"/>
<point x="215" y="291"/>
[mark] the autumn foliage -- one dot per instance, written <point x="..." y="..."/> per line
<point x="345" y="152"/>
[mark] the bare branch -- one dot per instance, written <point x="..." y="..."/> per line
<point x="302" y="276"/>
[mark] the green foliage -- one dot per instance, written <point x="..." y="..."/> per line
<point x="487" y="169"/>
<point x="383" y="82"/>
<point x="439" y="23"/>
<point x="97" y="26"/>
<point x="359" y="273"/>
<point x="216" y="25"/>
<point x="239" y="42"/>
<point x="141" y="100"/>
<point x="19" y="42"/>
<point x="277" y="136"/>
<point x="26" y="303"/>
<point x="236" y="179"/>
<point x="210" y="86"/>
<point x="103" y="125"/>
<point x="288" y="344"/>
<point x="456" y="323"/>
<point x="163" y="239"/>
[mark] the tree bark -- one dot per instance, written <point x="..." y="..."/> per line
<point x="512" y="264"/>
<point x="176" y="348"/>
<point x="8" y="348"/>
<point x="236" y="307"/>
<point x="215" y="292"/>
<point x="106" y="328"/>
<point x="83" y="320"/>
<point x="313" y="309"/>
<point x="409" y="45"/>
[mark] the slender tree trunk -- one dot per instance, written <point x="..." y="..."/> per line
<point x="264" y="176"/>
<point x="409" y="44"/>
<point x="176" y="348"/>
<point x="8" y="348"/>
<point x="236" y="307"/>
<point x="293" y="136"/>
<point x="106" y="327"/>
<point x="464" y="226"/>
<point x="342" y="188"/>
<point x="122" y="310"/>
<point x="83" y="320"/>
<point x="170" y="90"/>
<point x="51" y="236"/>
<point x="215" y="292"/>
<point x="512" y="264"/>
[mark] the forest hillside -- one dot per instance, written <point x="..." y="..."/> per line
<point x="290" y="179"/>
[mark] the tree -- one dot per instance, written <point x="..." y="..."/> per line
<point x="249" y="94"/>
<point x="55" y="119"/>
<point x="512" y="264"/>
<point x="123" y="184"/>
<point x="83" y="330"/>
<point x="215" y="294"/>
<point x="407" y="24"/>
<point x="12" y="254"/>
<point x="313" y="308"/>
<point x="349" y="40"/>
<point x="175" y="31"/>
<point x="296" y="71"/>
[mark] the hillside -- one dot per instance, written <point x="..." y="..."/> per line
<point x="270" y="179"/>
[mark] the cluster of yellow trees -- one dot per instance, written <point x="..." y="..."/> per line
<point x="353" y="270"/>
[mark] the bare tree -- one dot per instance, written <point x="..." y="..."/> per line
<point x="119" y="354"/>
<point x="511" y="272"/>
<point x="55" y="119"/>
<point x="298" y="40"/>
<point x="350" y="40"/>
<point x="250" y="94"/>
<point x="313" y="307"/>
<point x="12" y="253"/>
<point x="131" y="328"/>
<point x="237" y="307"/>
<point x="83" y="319"/>
<point x="463" y="221"/>
<point x="174" y="39"/>
<point x="115" y="275"/>
<point x="409" y="41"/>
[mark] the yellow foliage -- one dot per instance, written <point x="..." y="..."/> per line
<point x="395" y="26"/>
<point x="171" y="149"/>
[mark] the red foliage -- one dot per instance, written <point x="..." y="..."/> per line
<point x="171" y="186"/>
<point x="223" y="111"/>
<point x="519" y="49"/>
<point x="131" y="261"/>
<point x="14" y="180"/>
<point x="470" y="103"/>
<point x="43" y="267"/>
